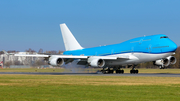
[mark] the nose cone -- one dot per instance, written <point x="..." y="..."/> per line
<point x="173" y="47"/>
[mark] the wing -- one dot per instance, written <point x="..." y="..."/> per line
<point x="82" y="60"/>
<point x="74" y="57"/>
<point x="32" y="55"/>
<point x="88" y="60"/>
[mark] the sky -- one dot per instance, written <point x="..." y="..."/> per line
<point x="34" y="24"/>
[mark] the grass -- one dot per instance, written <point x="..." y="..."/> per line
<point x="88" y="88"/>
<point x="86" y="70"/>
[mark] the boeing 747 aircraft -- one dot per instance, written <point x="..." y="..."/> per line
<point x="156" y="48"/>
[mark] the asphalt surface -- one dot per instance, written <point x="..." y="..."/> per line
<point x="96" y="74"/>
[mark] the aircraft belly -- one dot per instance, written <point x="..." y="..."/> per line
<point x="142" y="57"/>
<point x="145" y="57"/>
<point x="119" y="62"/>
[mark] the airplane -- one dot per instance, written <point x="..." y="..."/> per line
<point x="157" y="48"/>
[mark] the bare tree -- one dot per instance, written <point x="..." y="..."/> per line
<point x="40" y="51"/>
<point x="1" y="52"/>
<point x="60" y="52"/>
<point x="51" y="52"/>
<point x="30" y="51"/>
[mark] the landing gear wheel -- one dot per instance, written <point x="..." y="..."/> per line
<point x="111" y="71"/>
<point x="122" y="71"/>
<point x="131" y="71"/>
<point x="119" y="71"/>
<point x="103" y="71"/>
<point x="134" y="71"/>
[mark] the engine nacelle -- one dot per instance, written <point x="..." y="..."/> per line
<point x="172" y="59"/>
<point x="96" y="62"/>
<point x="56" y="61"/>
<point x="162" y="62"/>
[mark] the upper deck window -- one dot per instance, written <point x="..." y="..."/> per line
<point x="163" y="37"/>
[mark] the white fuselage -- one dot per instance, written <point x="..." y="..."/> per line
<point x="141" y="57"/>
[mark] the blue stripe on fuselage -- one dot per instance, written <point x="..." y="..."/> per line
<point x="148" y="44"/>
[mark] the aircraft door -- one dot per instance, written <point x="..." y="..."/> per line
<point x="132" y="50"/>
<point x="150" y="48"/>
<point x="140" y="42"/>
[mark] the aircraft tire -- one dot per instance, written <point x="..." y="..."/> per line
<point x="117" y="71"/>
<point x="131" y="71"/>
<point x="111" y="71"/>
<point x="122" y="71"/>
<point x="136" y="71"/>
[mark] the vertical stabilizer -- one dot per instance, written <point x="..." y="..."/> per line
<point x="69" y="40"/>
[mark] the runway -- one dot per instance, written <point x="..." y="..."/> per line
<point x="96" y="74"/>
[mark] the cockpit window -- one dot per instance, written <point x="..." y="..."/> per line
<point x="163" y="37"/>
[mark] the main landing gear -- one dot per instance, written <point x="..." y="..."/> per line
<point x="119" y="70"/>
<point x="108" y="71"/>
<point x="112" y="70"/>
<point x="133" y="70"/>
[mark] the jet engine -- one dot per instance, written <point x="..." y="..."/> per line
<point x="162" y="62"/>
<point x="54" y="61"/>
<point x="165" y="62"/>
<point x="96" y="62"/>
<point x="172" y="59"/>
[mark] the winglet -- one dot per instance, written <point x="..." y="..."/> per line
<point x="69" y="40"/>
